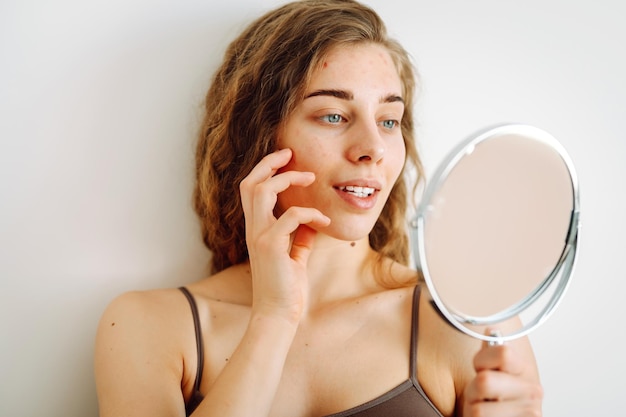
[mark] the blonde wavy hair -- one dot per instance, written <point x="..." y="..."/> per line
<point x="262" y="78"/>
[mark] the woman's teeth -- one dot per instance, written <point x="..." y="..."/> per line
<point x="358" y="191"/>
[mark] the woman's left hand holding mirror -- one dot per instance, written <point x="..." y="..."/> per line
<point x="505" y="384"/>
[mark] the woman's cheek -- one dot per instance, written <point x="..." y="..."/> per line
<point x="308" y="157"/>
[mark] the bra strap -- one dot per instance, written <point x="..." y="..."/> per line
<point x="198" y="330"/>
<point x="414" y="325"/>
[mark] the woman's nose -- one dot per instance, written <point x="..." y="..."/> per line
<point x="367" y="145"/>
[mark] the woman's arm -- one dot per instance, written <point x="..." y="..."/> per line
<point x="138" y="367"/>
<point x="278" y="251"/>
<point x="247" y="384"/>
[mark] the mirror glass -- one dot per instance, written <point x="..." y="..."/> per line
<point x="496" y="233"/>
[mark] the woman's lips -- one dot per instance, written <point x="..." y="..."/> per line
<point x="358" y="191"/>
<point x="362" y="197"/>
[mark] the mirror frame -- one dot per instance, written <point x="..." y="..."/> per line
<point x="558" y="279"/>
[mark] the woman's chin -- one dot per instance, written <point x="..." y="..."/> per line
<point x="351" y="233"/>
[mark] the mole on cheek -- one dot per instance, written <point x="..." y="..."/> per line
<point x="325" y="64"/>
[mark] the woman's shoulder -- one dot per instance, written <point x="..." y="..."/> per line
<point x="142" y="308"/>
<point x="138" y="320"/>
<point x="233" y="285"/>
<point x="151" y="332"/>
<point x="147" y="308"/>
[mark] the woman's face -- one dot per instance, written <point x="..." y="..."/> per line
<point x="347" y="131"/>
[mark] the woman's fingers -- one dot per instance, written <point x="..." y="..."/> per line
<point x="499" y="357"/>
<point x="288" y="223"/>
<point x="266" y="193"/>
<point x="259" y="194"/>
<point x="502" y="409"/>
<point x="499" y="394"/>
<point x="503" y="385"/>
<point x="260" y="189"/>
<point x="302" y="243"/>
<point x="500" y="386"/>
<point x="265" y="169"/>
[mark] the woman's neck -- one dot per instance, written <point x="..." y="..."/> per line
<point x="339" y="269"/>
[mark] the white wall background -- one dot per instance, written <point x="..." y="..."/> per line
<point x="98" y="111"/>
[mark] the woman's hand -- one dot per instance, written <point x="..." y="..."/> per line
<point x="278" y="248"/>
<point x="505" y="385"/>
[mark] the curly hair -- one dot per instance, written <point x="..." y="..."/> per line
<point x="262" y="78"/>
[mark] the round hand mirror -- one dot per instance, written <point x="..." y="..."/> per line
<point x="496" y="233"/>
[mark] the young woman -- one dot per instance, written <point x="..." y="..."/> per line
<point x="311" y="309"/>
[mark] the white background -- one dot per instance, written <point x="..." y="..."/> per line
<point x="99" y="106"/>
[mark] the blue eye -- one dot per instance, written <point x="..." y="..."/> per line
<point x="389" y="124"/>
<point x="332" y="118"/>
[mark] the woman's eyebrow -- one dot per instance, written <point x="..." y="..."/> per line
<point x="392" y="98"/>
<point x="341" y="94"/>
<point x="347" y="95"/>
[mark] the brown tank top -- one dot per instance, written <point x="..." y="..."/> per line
<point x="406" y="400"/>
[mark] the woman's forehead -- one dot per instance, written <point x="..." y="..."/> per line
<point x="356" y="66"/>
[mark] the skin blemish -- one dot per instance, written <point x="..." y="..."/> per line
<point x="325" y="64"/>
<point x="352" y="244"/>
<point x="112" y="324"/>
